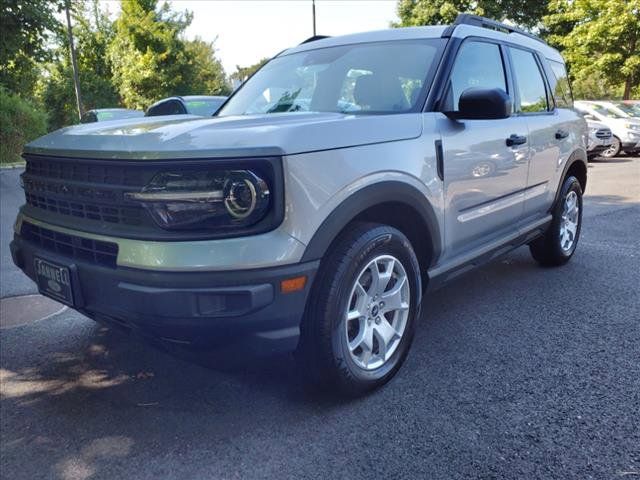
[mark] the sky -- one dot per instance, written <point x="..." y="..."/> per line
<point x="246" y="31"/>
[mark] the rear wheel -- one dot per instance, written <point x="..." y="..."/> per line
<point x="557" y="245"/>
<point x="361" y="315"/>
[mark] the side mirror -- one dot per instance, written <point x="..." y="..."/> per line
<point x="482" y="104"/>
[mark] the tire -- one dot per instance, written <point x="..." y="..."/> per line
<point x="613" y="150"/>
<point x="324" y="352"/>
<point x="559" y="242"/>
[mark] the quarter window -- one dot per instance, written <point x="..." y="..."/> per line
<point x="478" y="65"/>
<point x="562" y="91"/>
<point x="533" y="94"/>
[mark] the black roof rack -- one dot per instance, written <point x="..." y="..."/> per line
<point x="478" y="21"/>
<point x="314" y="38"/>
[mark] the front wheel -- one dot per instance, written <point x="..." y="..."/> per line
<point x="559" y="242"/>
<point x="613" y="150"/>
<point x="362" y="312"/>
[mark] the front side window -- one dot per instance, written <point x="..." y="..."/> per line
<point x="561" y="91"/>
<point x="533" y="94"/>
<point x="478" y="65"/>
<point x="381" y="77"/>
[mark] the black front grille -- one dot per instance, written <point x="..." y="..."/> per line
<point x="88" y="195"/>
<point x="602" y="133"/>
<point x="85" y="171"/>
<point x="100" y="213"/>
<point x="94" y="251"/>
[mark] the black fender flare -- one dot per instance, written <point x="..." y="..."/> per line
<point x="578" y="155"/>
<point x="365" y="198"/>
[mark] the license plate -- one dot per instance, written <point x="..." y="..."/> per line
<point x="54" y="281"/>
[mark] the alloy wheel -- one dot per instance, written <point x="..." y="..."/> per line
<point x="569" y="221"/>
<point x="613" y="150"/>
<point x="377" y="312"/>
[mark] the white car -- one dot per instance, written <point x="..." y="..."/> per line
<point x="626" y="130"/>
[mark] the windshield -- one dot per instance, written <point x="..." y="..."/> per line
<point x="629" y="108"/>
<point x="382" y="77"/>
<point x="607" y="112"/>
<point x="204" y="107"/>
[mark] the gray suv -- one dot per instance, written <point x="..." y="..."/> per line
<point x="346" y="177"/>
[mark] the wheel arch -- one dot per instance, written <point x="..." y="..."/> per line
<point x="380" y="202"/>
<point x="577" y="166"/>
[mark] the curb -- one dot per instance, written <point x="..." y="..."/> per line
<point x="10" y="166"/>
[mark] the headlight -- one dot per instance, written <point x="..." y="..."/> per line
<point x="593" y="129"/>
<point x="204" y="199"/>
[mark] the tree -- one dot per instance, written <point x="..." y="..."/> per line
<point x="600" y="39"/>
<point x="526" y="13"/>
<point x="93" y="32"/>
<point x="152" y="60"/>
<point x="26" y="29"/>
<point x="204" y="75"/>
<point x="146" y="53"/>
<point x="242" y="73"/>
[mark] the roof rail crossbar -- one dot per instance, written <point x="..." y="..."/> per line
<point x="314" y="38"/>
<point x="478" y="21"/>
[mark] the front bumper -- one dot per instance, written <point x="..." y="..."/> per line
<point x="596" y="150"/>
<point x="222" y="309"/>
<point x="631" y="146"/>
<point x="597" y="144"/>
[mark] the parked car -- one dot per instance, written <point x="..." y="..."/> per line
<point x="200" y="105"/>
<point x="600" y="139"/>
<point x="104" y="114"/>
<point x="304" y="227"/>
<point x="626" y="130"/>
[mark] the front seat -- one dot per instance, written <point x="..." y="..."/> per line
<point x="378" y="92"/>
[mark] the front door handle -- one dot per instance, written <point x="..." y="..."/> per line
<point x="560" y="134"/>
<point x="516" y="140"/>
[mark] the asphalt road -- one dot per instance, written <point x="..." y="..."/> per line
<point x="516" y="372"/>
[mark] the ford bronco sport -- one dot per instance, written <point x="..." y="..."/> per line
<point x="338" y="183"/>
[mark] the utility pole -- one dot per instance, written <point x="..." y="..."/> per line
<point x="74" y="63"/>
<point x="313" y="11"/>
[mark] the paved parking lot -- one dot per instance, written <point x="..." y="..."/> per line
<point x="516" y="372"/>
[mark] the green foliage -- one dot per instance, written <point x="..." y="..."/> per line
<point x="151" y="60"/>
<point x="20" y="122"/>
<point x="26" y="28"/>
<point x="600" y="39"/>
<point x="93" y="32"/>
<point x="204" y="75"/>
<point x="242" y="73"/>
<point x="526" y="13"/>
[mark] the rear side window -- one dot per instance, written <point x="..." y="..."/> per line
<point x="478" y="65"/>
<point x="561" y="90"/>
<point x="533" y="93"/>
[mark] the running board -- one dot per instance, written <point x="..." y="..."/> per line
<point x="442" y="274"/>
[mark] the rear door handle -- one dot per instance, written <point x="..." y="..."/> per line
<point x="516" y="140"/>
<point x="560" y="134"/>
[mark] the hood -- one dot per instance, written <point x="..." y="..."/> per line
<point x="188" y="136"/>
<point x="595" y="124"/>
